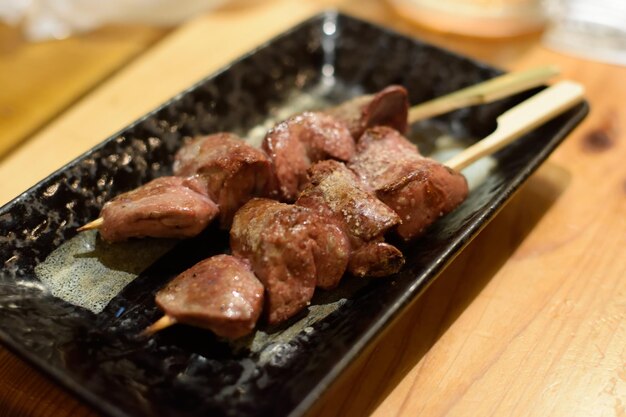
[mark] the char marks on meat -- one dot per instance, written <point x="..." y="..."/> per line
<point x="167" y="207"/>
<point x="231" y="170"/>
<point x="388" y="107"/>
<point x="287" y="247"/>
<point x="419" y="189"/>
<point x="219" y="293"/>
<point x="337" y="194"/>
<point x="296" y="143"/>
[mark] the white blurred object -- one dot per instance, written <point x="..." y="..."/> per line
<point x="58" y="19"/>
<point x="591" y="29"/>
<point x="482" y="18"/>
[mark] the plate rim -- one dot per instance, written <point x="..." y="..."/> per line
<point x="390" y="315"/>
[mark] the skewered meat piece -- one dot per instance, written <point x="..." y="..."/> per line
<point x="331" y="252"/>
<point x="231" y="170"/>
<point x="388" y="107"/>
<point x="296" y="143"/>
<point x="337" y="194"/>
<point x="290" y="249"/>
<point x="375" y="259"/>
<point x="219" y="293"/>
<point x="419" y="189"/>
<point x="168" y="207"/>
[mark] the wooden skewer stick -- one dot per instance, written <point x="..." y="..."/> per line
<point x="485" y="92"/>
<point x="162" y="323"/>
<point x="96" y="224"/>
<point x="521" y="119"/>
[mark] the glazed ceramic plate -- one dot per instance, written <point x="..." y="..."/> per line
<point x="95" y="351"/>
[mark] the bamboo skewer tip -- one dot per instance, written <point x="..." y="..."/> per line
<point x="162" y="323"/>
<point x="95" y="224"/>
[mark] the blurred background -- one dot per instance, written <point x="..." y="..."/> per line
<point x="54" y="52"/>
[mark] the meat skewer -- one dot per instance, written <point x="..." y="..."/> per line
<point x="231" y="172"/>
<point x="512" y="124"/>
<point x="216" y="174"/>
<point x="170" y="207"/>
<point x="220" y="294"/>
<point x="289" y="248"/>
<point x="297" y="143"/>
<point x="390" y="106"/>
<point x="294" y="248"/>
<point x="205" y="156"/>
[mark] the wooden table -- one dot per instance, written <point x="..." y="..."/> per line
<point x="529" y="320"/>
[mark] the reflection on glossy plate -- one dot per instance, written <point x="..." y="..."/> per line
<point x="189" y="372"/>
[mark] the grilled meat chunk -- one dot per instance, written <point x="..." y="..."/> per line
<point x="331" y="252"/>
<point x="219" y="293"/>
<point x="296" y="143"/>
<point x="388" y="107"/>
<point x="288" y="248"/>
<point x="337" y="194"/>
<point x="167" y="207"/>
<point x="418" y="189"/>
<point x="376" y="259"/>
<point x="231" y="170"/>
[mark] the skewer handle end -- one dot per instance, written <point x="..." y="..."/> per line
<point x="521" y="119"/>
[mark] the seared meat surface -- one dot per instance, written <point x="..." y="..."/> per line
<point x="331" y="252"/>
<point x="375" y="259"/>
<point x="288" y="247"/>
<point x="296" y="143"/>
<point x="167" y="207"/>
<point x="388" y="107"/>
<point x="418" y="189"/>
<point x="337" y="194"/>
<point x="219" y="293"/>
<point x="231" y="171"/>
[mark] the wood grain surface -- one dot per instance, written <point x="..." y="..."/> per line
<point x="40" y="80"/>
<point x="529" y="320"/>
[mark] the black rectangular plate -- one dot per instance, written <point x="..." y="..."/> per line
<point x="188" y="372"/>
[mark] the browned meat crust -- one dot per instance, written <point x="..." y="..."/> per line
<point x="231" y="170"/>
<point x="376" y="259"/>
<point x="168" y="207"/>
<point x="336" y="194"/>
<point x="282" y="242"/>
<point x="220" y="294"/>
<point x="296" y="143"/>
<point x="418" y="189"/>
<point x="388" y="107"/>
